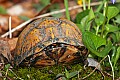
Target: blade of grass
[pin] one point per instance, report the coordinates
(105, 14)
(67, 11)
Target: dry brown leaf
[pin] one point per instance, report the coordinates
(6, 4)
(12, 43)
(4, 24)
(4, 50)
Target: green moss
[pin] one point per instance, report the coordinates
(49, 73)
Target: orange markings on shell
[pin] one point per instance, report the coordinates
(43, 32)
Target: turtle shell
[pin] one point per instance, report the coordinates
(49, 41)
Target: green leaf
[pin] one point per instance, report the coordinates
(100, 6)
(111, 28)
(67, 74)
(93, 42)
(25, 18)
(107, 49)
(38, 7)
(86, 25)
(91, 15)
(61, 76)
(117, 56)
(112, 12)
(81, 15)
(99, 18)
(3, 10)
(113, 36)
(114, 50)
(45, 2)
(118, 36)
(7, 66)
(117, 19)
(81, 27)
(84, 21)
(72, 74)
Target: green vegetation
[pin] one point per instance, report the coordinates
(101, 35)
(50, 73)
(2, 10)
(101, 32)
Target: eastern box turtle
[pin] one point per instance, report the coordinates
(49, 41)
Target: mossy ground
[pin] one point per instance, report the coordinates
(50, 73)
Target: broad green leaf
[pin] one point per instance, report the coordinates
(117, 19)
(84, 21)
(85, 24)
(81, 27)
(72, 74)
(3, 10)
(118, 36)
(117, 55)
(107, 49)
(67, 73)
(90, 15)
(117, 5)
(114, 38)
(99, 18)
(111, 28)
(112, 12)
(92, 42)
(81, 15)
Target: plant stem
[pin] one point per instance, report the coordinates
(100, 7)
(67, 11)
(89, 4)
(97, 29)
(84, 6)
(105, 14)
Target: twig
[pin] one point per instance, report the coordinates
(10, 33)
(47, 14)
(95, 68)
(111, 66)
(44, 15)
